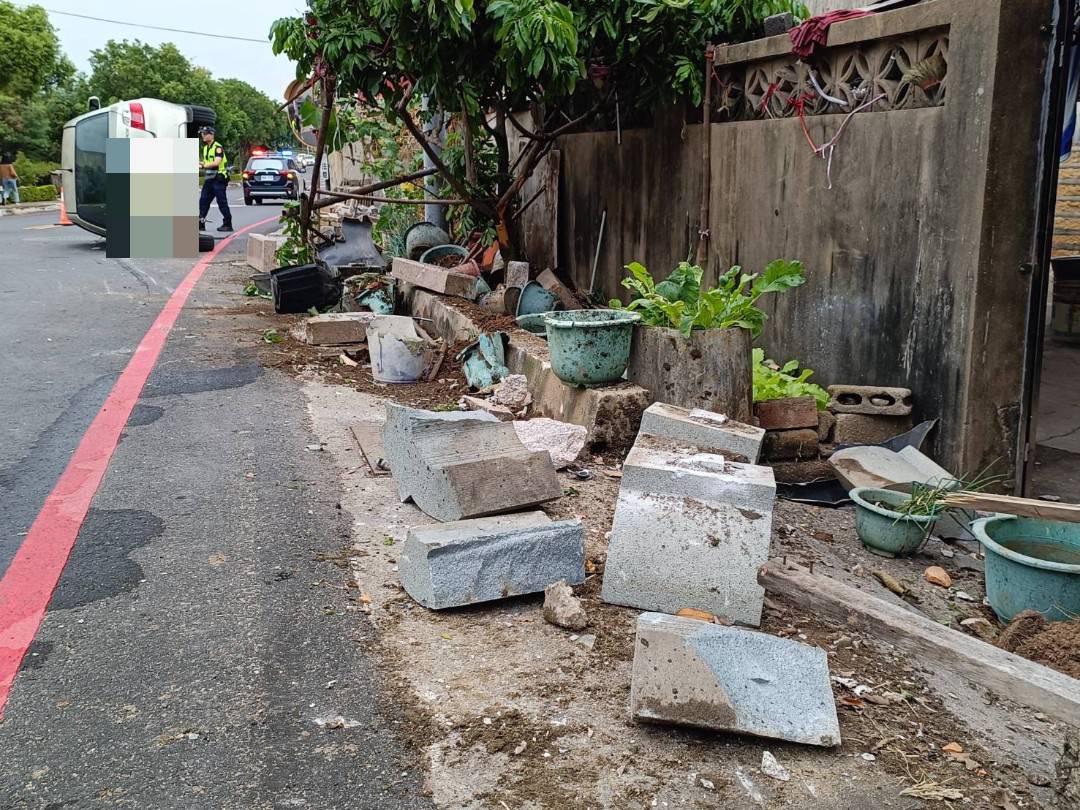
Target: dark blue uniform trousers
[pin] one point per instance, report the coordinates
(214, 189)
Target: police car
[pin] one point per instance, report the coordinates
(272, 176)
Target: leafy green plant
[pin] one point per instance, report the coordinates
(680, 303)
(294, 250)
(928, 500)
(37, 193)
(272, 336)
(773, 381)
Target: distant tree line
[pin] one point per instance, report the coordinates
(40, 89)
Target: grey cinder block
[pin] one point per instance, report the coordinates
(468, 561)
(705, 430)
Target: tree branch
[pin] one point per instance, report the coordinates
(443, 169)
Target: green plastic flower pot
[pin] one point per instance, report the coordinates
(1031, 564)
(590, 347)
(883, 531)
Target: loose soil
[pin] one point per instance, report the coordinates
(1054, 644)
(511, 712)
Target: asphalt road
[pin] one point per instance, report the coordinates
(198, 636)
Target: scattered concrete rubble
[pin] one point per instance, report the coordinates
(562, 608)
(611, 414)
(873, 466)
(731, 679)
(336, 328)
(705, 430)
(463, 562)
(513, 391)
(690, 530)
(562, 440)
(458, 465)
(500, 412)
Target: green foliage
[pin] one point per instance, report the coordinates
(247, 117)
(773, 381)
(34, 172)
(294, 250)
(679, 302)
(482, 60)
(30, 58)
(37, 193)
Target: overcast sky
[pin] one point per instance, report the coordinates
(226, 59)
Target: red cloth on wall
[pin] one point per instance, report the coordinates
(813, 32)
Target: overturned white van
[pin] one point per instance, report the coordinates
(83, 149)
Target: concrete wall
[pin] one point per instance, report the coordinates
(913, 256)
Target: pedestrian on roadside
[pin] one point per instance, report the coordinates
(212, 161)
(9, 179)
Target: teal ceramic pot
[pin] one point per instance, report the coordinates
(1031, 564)
(590, 347)
(883, 531)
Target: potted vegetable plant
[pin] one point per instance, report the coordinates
(782, 400)
(692, 347)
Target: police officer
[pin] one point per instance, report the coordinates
(212, 161)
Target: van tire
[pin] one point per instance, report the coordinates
(206, 243)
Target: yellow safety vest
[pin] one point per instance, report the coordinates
(213, 151)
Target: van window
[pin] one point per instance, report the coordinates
(91, 135)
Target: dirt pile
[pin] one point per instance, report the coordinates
(1053, 644)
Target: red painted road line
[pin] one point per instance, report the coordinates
(35, 569)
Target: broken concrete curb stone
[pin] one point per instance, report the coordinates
(562, 608)
(690, 530)
(458, 465)
(452, 564)
(562, 440)
(707, 431)
(731, 679)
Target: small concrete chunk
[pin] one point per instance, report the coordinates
(562, 608)
(500, 412)
(705, 430)
(870, 399)
(464, 464)
(731, 679)
(335, 328)
(873, 466)
(787, 413)
(468, 561)
(561, 439)
(690, 531)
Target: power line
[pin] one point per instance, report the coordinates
(156, 27)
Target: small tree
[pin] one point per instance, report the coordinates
(488, 61)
